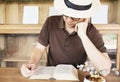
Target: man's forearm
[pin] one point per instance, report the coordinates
(100, 60)
(35, 57)
(37, 53)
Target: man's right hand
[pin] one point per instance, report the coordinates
(27, 69)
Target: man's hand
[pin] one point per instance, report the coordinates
(81, 28)
(27, 69)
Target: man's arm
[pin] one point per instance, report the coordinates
(29, 68)
(100, 60)
(37, 53)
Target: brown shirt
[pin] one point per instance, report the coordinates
(65, 48)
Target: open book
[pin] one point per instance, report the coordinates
(60, 72)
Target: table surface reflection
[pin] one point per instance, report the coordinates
(10, 74)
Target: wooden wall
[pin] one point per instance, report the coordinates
(12, 12)
(22, 44)
(118, 12)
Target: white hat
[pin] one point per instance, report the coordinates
(77, 8)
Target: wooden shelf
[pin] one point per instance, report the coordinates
(16, 59)
(33, 29)
(11, 17)
(19, 29)
(107, 26)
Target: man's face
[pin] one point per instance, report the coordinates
(70, 22)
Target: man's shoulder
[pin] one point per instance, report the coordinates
(91, 26)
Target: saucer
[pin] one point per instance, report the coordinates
(94, 78)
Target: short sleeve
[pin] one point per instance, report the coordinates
(96, 38)
(44, 34)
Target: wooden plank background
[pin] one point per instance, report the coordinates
(118, 12)
(22, 45)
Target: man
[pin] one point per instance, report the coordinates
(71, 38)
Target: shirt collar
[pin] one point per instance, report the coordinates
(62, 23)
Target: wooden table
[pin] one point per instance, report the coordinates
(14, 75)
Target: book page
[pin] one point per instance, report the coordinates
(65, 72)
(43, 72)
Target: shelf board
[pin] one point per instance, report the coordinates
(20, 29)
(18, 59)
(34, 29)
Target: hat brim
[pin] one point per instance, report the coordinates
(63, 9)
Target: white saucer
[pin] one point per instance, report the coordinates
(96, 77)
